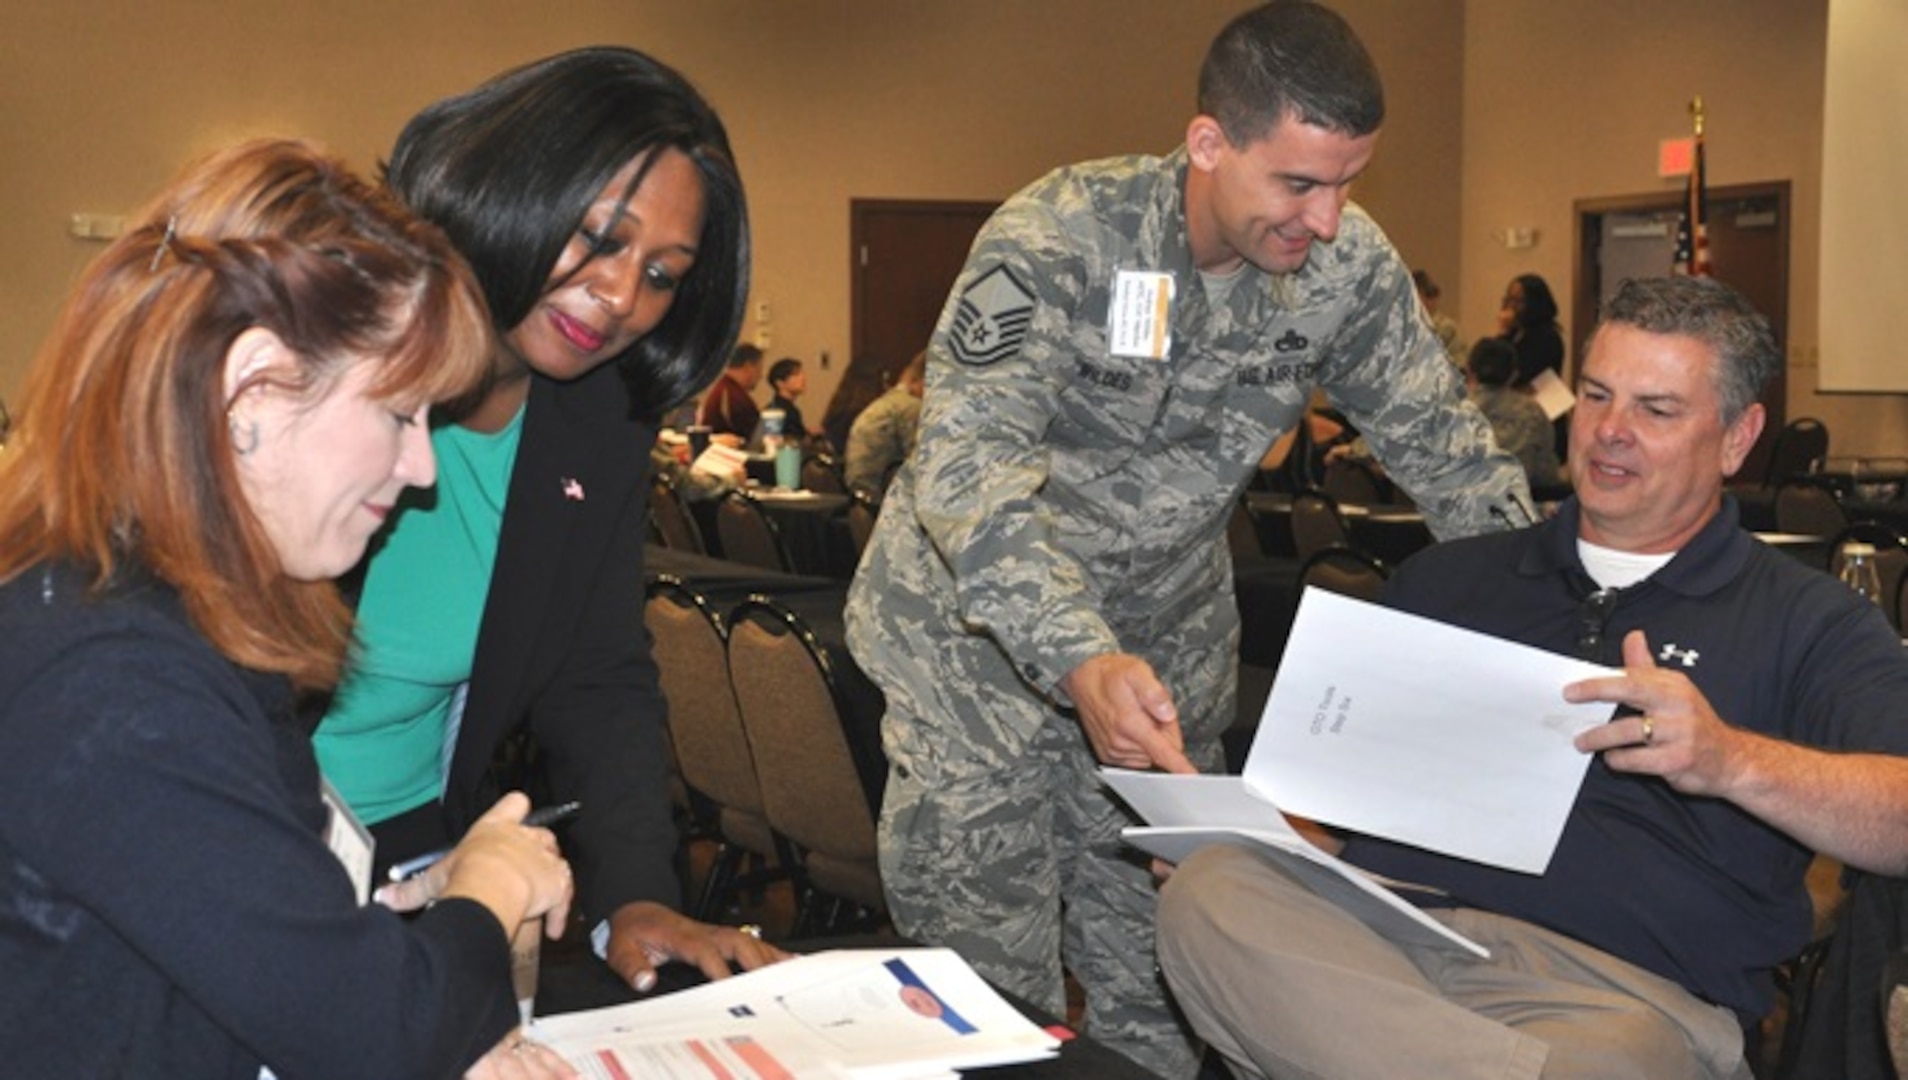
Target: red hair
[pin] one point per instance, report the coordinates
(122, 452)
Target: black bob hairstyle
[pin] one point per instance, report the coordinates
(509, 169)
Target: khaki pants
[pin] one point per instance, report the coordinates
(1286, 985)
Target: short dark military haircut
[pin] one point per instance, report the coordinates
(1290, 56)
(1493, 361)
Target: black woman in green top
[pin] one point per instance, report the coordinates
(595, 195)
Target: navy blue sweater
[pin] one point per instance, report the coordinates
(167, 907)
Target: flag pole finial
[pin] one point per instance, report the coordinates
(1696, 112)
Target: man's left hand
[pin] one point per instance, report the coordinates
(645, 934)
(1676, 734)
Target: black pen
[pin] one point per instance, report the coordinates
(535, 819)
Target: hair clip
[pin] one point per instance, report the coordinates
(172, 226)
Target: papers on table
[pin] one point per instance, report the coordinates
(1553, 396)
(720, 460)
(1395, 726)
(879, 1014)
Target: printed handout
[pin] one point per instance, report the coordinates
(885, 1014)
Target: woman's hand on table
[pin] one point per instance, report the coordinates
(521, 1058)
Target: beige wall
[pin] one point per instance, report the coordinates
(1569, 101)
(826, 101)
(1502, 113)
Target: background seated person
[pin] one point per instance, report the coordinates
(1517, 421)
(788, 381)
(1761, 724)
(865, 380)
(1445, 326)
(728, 410)
(885, 433)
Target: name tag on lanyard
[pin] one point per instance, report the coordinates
(1140, 322)
(348, 839)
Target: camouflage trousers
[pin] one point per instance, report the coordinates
(1016, 865)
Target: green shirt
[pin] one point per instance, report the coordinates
(385, 742)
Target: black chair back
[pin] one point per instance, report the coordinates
(1798, 451)
(1808, 510)
(690, 646)
(1346, 571)
(811, 768)
(1317, 524)
(821, 472)
(1355, 482)
(863, 509)
(748, 535)
(670, 521)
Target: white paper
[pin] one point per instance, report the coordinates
(1189, 812)
(1417, 731)
(726, 462)
(1553, 396)
(891, 1014)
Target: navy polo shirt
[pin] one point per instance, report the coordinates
(1693, 889)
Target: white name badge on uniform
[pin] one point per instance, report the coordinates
(348, 839)
(1141, 321)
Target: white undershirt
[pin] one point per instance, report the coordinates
(1613, 569)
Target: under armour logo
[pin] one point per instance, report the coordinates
(1685, 657)
(572, 489)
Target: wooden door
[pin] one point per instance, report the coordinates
(905, 257)
(1748, 250)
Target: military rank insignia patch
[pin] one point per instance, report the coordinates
(992, 319)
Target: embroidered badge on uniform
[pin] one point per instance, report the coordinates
(992, 320)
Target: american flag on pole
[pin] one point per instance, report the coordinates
(1692, 228)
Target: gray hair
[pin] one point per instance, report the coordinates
(1747, 356)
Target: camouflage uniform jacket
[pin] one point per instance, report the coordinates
(1070, 503)
(881, 438)
(1521, 429)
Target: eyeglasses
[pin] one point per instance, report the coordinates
(1592, 618)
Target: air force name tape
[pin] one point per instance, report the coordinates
(992, 320)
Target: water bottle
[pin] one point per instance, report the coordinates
(1858, 570)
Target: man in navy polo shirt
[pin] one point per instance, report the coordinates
(1763, 722)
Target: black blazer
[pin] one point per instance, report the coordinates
(562, 648)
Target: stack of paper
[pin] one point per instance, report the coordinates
(1553, 394)
(878, 1014)
(1394, 726)
(720, 460)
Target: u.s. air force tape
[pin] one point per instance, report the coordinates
(992, 319)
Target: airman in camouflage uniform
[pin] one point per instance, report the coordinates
(1052, 558)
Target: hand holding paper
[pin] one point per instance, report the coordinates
(1421, 732)
(1396, 726)
(1128, 714)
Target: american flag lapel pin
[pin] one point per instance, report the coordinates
(572, 489)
